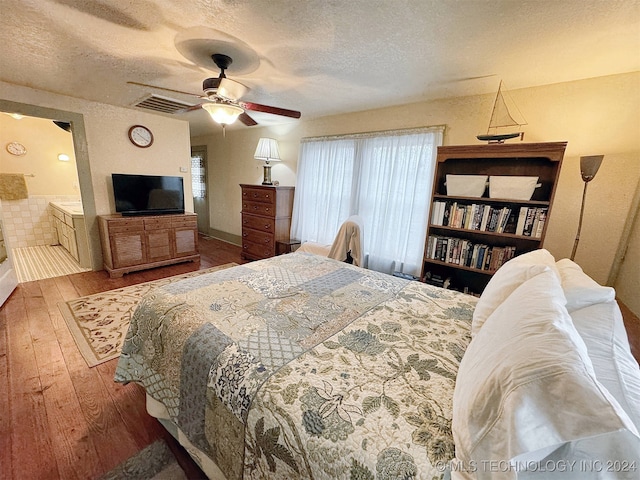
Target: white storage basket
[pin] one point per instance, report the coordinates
(466, 185)
(512, 187)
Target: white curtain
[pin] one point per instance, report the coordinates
(385, 177)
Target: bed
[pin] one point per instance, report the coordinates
(301, 366)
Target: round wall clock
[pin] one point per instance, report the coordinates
(140, 136)
(15, 148)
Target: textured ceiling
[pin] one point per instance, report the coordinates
(321, 57)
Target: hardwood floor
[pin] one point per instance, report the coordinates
(60, 419)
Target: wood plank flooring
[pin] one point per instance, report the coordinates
(60, 419)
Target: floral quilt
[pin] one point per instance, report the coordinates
(300, 366)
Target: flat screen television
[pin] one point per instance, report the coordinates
(147, 194)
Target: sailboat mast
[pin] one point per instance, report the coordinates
(493, 111)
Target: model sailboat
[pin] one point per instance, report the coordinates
(501, 118)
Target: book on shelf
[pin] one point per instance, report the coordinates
(460, 251)
(542, 217)
(485, 217)
(534, 222)
(510, 224)
(522, 216)
(445, 216)
(523, 221)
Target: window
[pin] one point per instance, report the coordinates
(385, 177)
(198, 176)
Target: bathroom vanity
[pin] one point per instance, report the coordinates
(69, 224)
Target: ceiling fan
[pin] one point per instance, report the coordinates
(223, 95)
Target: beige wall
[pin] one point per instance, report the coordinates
(595, 116)
(102, 147)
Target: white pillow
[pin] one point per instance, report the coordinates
(602, 329)
(579, 288)
(506, 279)
(526, 387)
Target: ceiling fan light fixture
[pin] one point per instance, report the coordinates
(223, 113)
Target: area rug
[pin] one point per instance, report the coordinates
(155, 462)
(99, 322)
(44, 261)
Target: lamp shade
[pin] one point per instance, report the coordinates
(589, 166)
(267, 150)
(222, 112)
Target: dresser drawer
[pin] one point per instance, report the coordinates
(265, 209)
(184, 221)
(258, 237)
(262, 195)
(157, 223)
(258, 223)
(125, 225)
(256, 251)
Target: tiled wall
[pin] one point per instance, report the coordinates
(27, 223)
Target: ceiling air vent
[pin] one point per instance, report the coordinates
(159, 103)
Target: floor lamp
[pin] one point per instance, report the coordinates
(589, 166)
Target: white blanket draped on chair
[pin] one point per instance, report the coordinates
(348, 241)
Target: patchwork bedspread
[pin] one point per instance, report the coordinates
(301, 366)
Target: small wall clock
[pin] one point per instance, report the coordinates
(17, 149)
(140, 136)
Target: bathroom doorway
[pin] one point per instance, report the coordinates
(43, 170)
(51, 169)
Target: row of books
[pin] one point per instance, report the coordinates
(526, 221)
(459, 251)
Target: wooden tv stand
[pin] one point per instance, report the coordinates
(137, 243)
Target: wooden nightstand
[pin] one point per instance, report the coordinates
(287, 246)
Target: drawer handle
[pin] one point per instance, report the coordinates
(245, 234)
(267, 227)
(267, 209)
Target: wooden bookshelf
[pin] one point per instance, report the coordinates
(469, 238)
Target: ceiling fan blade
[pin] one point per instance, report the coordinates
(256, 107)
(247, 120)
(165, 89)
(231, 90)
